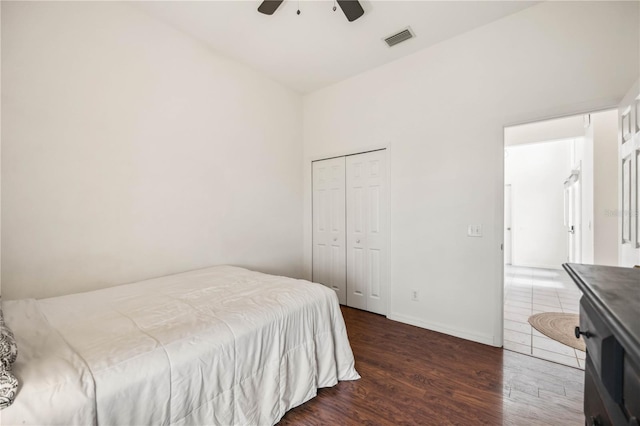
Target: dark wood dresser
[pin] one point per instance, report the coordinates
(610, 325)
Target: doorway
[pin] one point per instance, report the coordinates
(556, 181)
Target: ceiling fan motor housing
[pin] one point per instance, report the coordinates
(352, 8)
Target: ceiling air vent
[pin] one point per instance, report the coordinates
(403, 35)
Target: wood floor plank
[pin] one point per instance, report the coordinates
(414, 376)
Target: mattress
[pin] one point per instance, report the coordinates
(221, 345)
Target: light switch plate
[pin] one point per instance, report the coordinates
(474, 231)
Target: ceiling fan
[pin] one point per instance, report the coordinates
(351, 8)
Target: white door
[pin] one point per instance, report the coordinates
(329, 225)
(573, 195)
(629, 179)
(366, 232)
(507, 225)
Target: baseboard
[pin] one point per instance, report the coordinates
(532, 265)
(463, 334)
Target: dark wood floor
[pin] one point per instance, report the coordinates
(414, 376)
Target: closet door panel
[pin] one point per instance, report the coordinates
(329, 254)
(366, 229)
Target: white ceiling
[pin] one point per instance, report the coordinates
(320, 47)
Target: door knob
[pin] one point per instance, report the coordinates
(357, 241)
(335, 238)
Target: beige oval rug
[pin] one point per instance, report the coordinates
(559, 327)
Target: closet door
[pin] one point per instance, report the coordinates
(329, 225)
(366, 231)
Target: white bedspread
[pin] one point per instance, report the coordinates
(221, 345)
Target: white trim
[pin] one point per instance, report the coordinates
(590, 107)
(538, 266)
(636, 107)
(346, 153)
(627, 129)
(626, 194)
(451, 331)
(507, 147)
(636, 209)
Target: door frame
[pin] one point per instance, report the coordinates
(574, 214)
(347, 153)
(606, 105)
(510, 206)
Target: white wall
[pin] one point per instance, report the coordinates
(536, 173)
(547, 130)
(130, 151)
(441, 112)
(582, 159)
(604, 130)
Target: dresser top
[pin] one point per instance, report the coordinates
(615, 292)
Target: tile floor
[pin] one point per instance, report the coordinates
(531, 291)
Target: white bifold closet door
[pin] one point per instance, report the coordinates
(362, 240)
(366, 223)
(329, 255)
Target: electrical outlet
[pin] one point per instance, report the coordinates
(414, 295)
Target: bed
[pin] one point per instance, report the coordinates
(221, 345)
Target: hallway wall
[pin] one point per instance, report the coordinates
(536, 173)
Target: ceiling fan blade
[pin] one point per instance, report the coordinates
(269, 6)
(351, 8)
